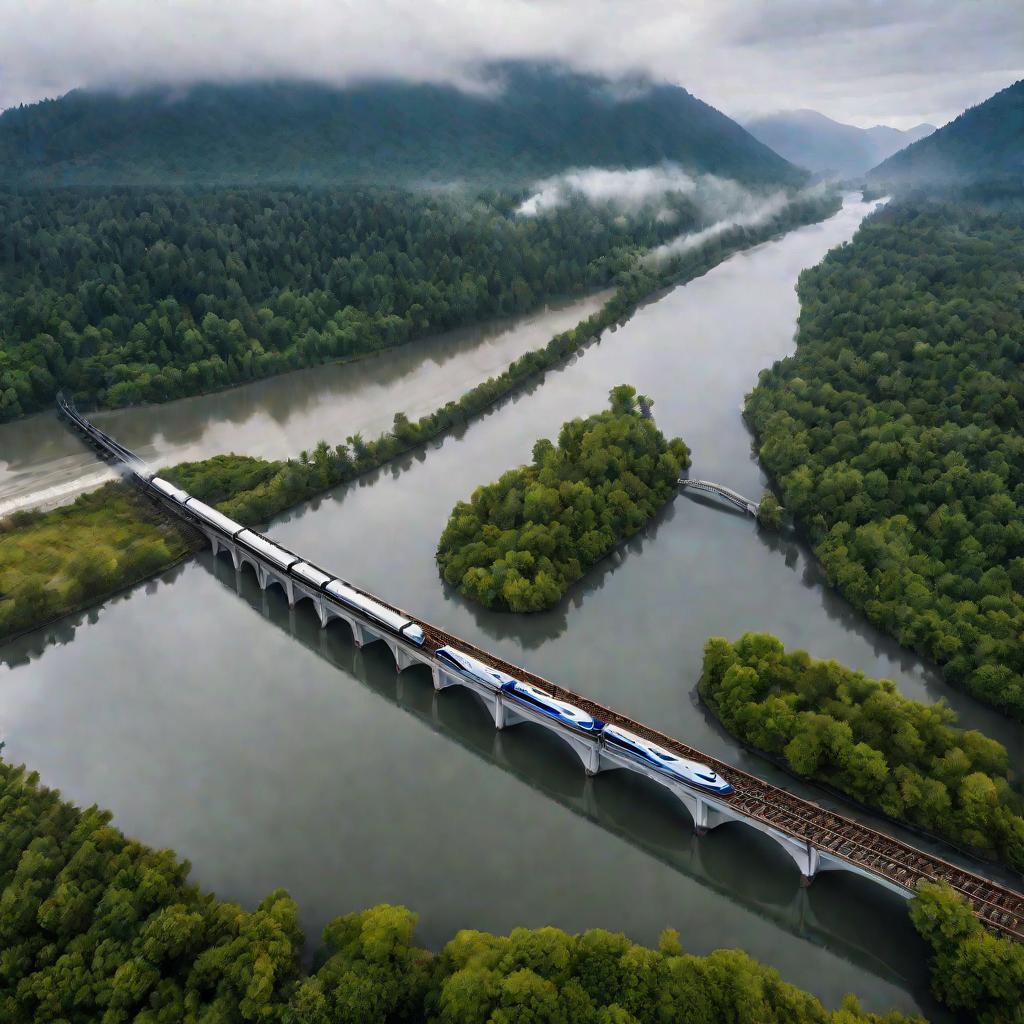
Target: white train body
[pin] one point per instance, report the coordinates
(474, 668)
(375, 610)
(213, 518)
(691, 772)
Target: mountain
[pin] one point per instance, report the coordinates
(814, 141)
(534, 120)
(985, 143)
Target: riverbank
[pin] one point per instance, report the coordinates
(856, 736)
(268, 488)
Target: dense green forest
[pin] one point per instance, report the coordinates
(530, 120)
(141, 296)
(96, 927)
(984, 144)
(973, 972)
(518, 544)
(894, 432)
(34, 589)
(859, 735)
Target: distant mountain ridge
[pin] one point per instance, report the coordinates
(814, 141)
(542, 120)
(984, 144)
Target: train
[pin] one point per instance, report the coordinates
(643, 750)
(290, 563)
(518, 691)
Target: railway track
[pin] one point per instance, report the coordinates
(995, 905)
(998, 907)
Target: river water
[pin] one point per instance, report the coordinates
(211, 718)
(43, 465)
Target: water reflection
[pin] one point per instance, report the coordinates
(42, 464)
(861, 922)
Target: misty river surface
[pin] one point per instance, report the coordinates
(212, 719)
(42, 464)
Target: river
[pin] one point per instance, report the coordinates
(43, 465)
(211, 718)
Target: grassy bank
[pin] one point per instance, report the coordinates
(253, 490)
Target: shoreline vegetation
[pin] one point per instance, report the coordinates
(253, 490)
(893, 432)
(859, 737)
(98, 926)
(162, 294)
(521, 542)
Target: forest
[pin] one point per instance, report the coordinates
(35, 590)
(518, 544)
(528, 120)
(858, 735)
(128, 296)
(894, 432)
(97, 927)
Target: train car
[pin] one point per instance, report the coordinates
(376, 611)
(168, 490)
(466, 665)
(271, 552)
(311, 575)
(213, 518)
(560, 710)
(691, 772)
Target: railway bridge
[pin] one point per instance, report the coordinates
(728, 493)
(815, 838)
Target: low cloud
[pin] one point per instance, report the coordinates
(901, 62)
(720, 203)
(627, 189)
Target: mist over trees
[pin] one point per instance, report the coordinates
(142, 296)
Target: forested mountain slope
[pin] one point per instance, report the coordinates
(985, 143)
(537, 120)
(895, 433)
(814, 141)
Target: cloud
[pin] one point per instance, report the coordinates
(721, 203)
(628, 189)
(900, 62)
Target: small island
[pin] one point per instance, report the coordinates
(521, 542)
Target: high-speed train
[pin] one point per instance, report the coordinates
(290, 563)
(691, 772)
(560, 710)
(467, 665)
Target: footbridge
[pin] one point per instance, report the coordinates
(723, 492)
(814, 838)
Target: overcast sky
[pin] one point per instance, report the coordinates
(896, 62)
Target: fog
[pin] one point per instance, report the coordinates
(721, 203)
(897, 63)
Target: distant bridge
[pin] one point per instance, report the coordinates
(815, 838)
(723, 492)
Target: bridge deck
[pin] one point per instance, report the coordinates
(726, 492)
(864, 848)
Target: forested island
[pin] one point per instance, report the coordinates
(97, 927)
(860, 736)
(518, 544)
(894, 432)
(34, 591)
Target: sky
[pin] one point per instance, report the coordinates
(865, 62)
